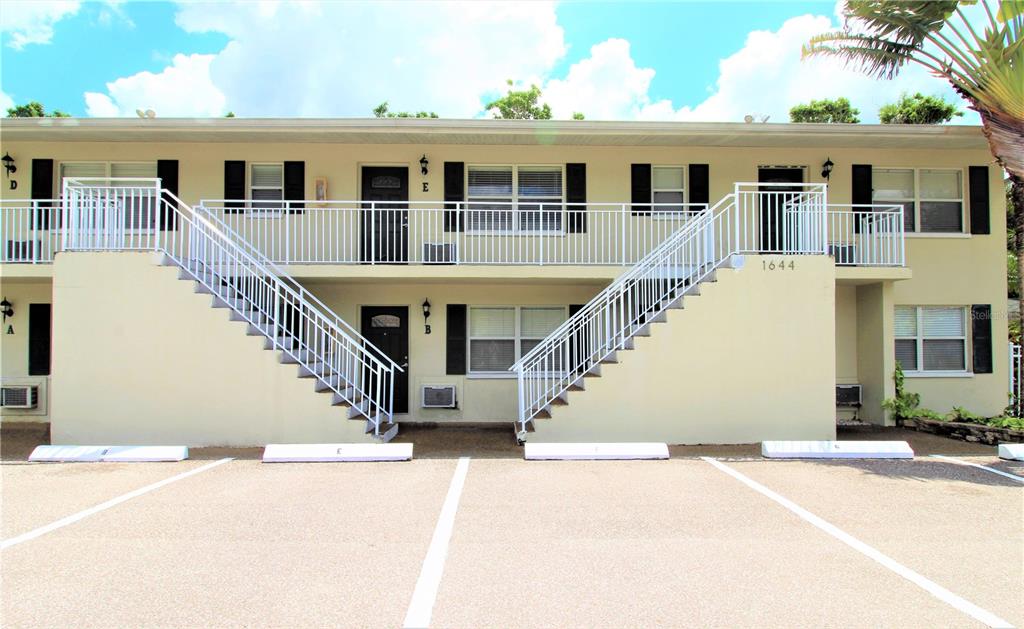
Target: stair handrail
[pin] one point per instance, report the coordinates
(705, 249)
(326, 341)
(285, 276)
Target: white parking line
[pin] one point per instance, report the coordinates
(927, 585)
(1019, 479)
(423, 597)
(71, 519)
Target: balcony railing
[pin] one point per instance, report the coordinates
(866, 235)
(492, 233)
(462, 233)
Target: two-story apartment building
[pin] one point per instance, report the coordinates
(240, 282)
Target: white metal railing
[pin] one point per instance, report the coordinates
(492, 233)
(755, 218)
(29, 230)
(138, 215)
(1016, 383)
(866, 235)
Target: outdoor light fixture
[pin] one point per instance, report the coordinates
(426, 313)
(423, 164)
(9, 164)
(6, 309)
(826, 168)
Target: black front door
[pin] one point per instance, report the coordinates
(387, 327)
(386, 226)
(773, 204)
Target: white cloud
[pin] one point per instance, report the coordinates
(6, 102)
(31, 22)
(295, 58)
(182, 89)
(765, 78)
(341, 58)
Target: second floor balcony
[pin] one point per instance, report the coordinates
(474, 233)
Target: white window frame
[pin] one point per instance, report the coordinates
(515, 201)
(920, 338)
(249, 187)
(107, 170)
(655, 212)
(517, 338)
(917, 199)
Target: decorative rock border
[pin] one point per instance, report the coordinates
(976, 433)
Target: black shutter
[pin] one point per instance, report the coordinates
(167, 171)
(640, 176)
(981, 337)
(39, 339)
(454, 178)
(861, 191)
(576, 192)
(700, 187)
(978, 187)
(455, 357)
(42, 188)
(295, 186)
(234, 186)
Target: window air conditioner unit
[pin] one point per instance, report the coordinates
(848, 395)
(20, 396)
(439, 252)
(439, 396)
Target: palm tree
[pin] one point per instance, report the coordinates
(986, 68)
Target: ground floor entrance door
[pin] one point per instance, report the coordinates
(385, 223)
(773, 204)
(387, 327)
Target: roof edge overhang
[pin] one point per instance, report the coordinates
(487, 131)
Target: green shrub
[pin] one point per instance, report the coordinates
(1015, 423)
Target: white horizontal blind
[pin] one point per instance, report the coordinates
(267, 175)
(540, 198)
(539, 322)
(492, 339)
(896, 186)
(942, 321)
(544, 183)
(133, 169)
(906, 321)
(83, 169)
(490, 181)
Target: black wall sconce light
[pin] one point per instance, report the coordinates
(423, 165)
(6, 309)
(826, 168)
(426, 316)
(9, 164)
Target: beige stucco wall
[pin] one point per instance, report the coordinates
(140, 358)
(954, 270)
(481, 398)
(751, 358)
(14, 347)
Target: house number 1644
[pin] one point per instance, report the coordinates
(778, 266)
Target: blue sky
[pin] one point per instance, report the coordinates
(610, 60)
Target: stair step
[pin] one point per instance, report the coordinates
(579, 385)
(288, 342)
(390, 434)
(610, 358)
(337, 399)
(261, 329)
(661, 317)
(644, 330)
(594, 372)
(329, 384)
(235, 303)
(315, 369)
(544, 413)
(248, 315)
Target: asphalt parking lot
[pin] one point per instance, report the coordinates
(730, 541)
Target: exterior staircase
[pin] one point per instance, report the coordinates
(671, 273)
(294, 323)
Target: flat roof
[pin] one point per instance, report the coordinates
(488, 131)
